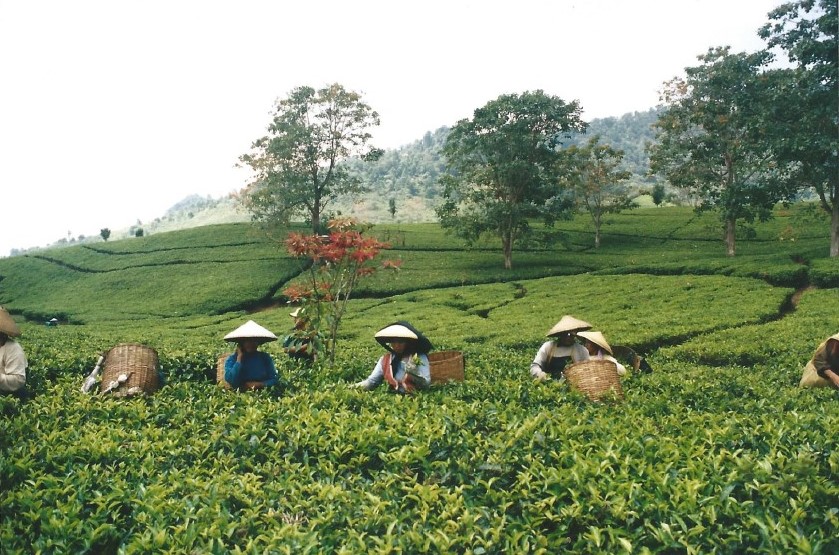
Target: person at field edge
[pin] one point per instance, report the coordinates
(12, 358)
(405, 367)
(599, 349)
(247, 367)
(554, 355)
(298, 344)
(823, 369)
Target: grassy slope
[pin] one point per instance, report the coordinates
(716, 450)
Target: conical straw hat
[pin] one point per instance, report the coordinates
(403, 330)
(568, 324)
(395, 331)
(597, 338)
(250, 330)
(7, 324)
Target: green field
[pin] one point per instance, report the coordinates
(716, 451)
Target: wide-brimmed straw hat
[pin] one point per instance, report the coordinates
(250, 330)
(597, 338)
(568, 324)
(404, 331)
(7, 324)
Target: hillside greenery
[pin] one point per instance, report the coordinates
(716, 451)
(408, 175)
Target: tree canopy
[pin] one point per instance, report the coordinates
(598, 181)
(296, 166)
(714, 139)
(503, 167)
(807, 98)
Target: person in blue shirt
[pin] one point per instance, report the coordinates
(247, 367)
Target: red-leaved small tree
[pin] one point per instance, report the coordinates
(338, 261)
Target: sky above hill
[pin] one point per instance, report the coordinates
(113, 111)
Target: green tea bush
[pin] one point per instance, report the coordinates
(716, 451)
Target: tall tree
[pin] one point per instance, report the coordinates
(598, 180)
(503, 167)
(808, 98)
(296, 166)
(713, 142)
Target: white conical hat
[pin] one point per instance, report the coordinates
(568, 324)
(250, 330)
(396, 331)
(597, 338)
(7, 324)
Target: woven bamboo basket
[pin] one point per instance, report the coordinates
(138, 362)
(220, 372)
(446, 366)
(595, 379)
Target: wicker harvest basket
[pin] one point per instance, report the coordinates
(596, 379)
(446, 366)
(138, 362)
(220, 372)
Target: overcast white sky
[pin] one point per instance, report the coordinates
(114, 110)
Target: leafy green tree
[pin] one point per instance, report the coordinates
(503, 166)
(598, 181)
(807, 99)
(296, 166)
(391, 207)
(104, 233)
(713, 139)
(658, 194)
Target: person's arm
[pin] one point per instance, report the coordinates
(375, 378)
(621, 367)
(832, 377)
(540, 362)
(822, 363)
(233, 370)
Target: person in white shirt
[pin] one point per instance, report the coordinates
(12, 358)
(405, 368)
(554, 355)
(598, 348)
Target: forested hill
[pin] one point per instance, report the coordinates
(407, 176)
(413, 170)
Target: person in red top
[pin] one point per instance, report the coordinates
(405, 368)
(823, 368)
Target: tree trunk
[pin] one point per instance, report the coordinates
(316, 218)
(597, 236)
(507, 243)
(730, 226)
(834, 230)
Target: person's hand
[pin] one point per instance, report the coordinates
(542, 376)
(359, 385)
(250, 386)
(239, 353)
